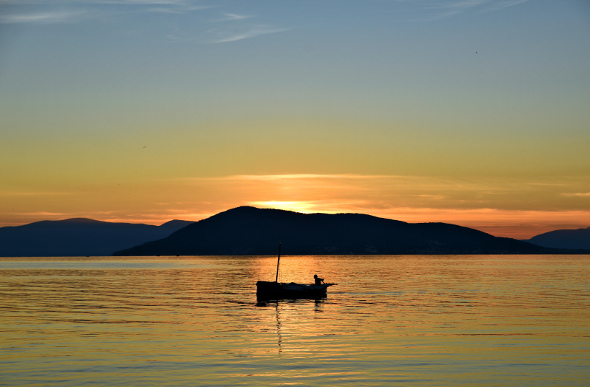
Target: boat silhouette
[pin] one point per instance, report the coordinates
(275, 290)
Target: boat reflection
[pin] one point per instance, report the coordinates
(279, 305)
(262, 302)
(264, 298)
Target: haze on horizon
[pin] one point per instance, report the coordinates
(468, 112)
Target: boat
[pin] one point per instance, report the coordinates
(275, 290)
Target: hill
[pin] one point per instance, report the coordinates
(564, 239)
(253, 231)
(79, 237)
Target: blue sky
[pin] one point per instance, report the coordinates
(446, 62)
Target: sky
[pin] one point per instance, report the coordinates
(472, 112)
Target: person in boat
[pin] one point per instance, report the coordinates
(318, 280)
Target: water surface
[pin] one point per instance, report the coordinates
(406, 320)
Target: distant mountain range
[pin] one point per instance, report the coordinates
(79, 237)
(564, 239)
(249, 230)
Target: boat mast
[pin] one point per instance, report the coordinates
(278, 261)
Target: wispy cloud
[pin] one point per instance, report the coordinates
(577, 195)
(303, 176)
(31, 193)
(497, 5)
(176, 10)
(232, 16)
(441, 9)
(460, 5)
(175, 3)
(66, 11)
(44, 18)
(402, 191)
(45, 214)
(464, 4)
(226, 36)
(233, 27)
(226, 27)
(64, 3)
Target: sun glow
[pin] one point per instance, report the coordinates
(500, 206)
(297, 206)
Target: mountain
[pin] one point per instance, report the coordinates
(564, 239)
(79, 237)
(249, 230)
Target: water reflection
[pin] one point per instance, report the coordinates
(278, 306)
(280, 339)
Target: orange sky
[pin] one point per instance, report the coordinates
(503, 207)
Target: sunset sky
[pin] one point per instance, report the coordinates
(473, 112)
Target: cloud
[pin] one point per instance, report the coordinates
(31, 193)
(233, 28)
(577, 195)
(66, 11)
(227, 27)
(302, 176)
(176, 10)
(232, 16)
(385, 191)
(495, 6)
(44, 18)
(461, 5)
(226, 36)
(175, 3)
(43, 214)
(441, 9)
(62, 3)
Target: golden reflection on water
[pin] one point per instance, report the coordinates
(444, 320)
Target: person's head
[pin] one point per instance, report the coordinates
(315, 276)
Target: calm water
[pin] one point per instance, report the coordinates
(405, 320)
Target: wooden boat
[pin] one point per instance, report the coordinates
(275, 290)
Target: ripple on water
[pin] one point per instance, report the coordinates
(410, 320)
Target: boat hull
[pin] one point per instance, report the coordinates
(267, 290)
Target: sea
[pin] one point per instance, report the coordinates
(467, 320)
